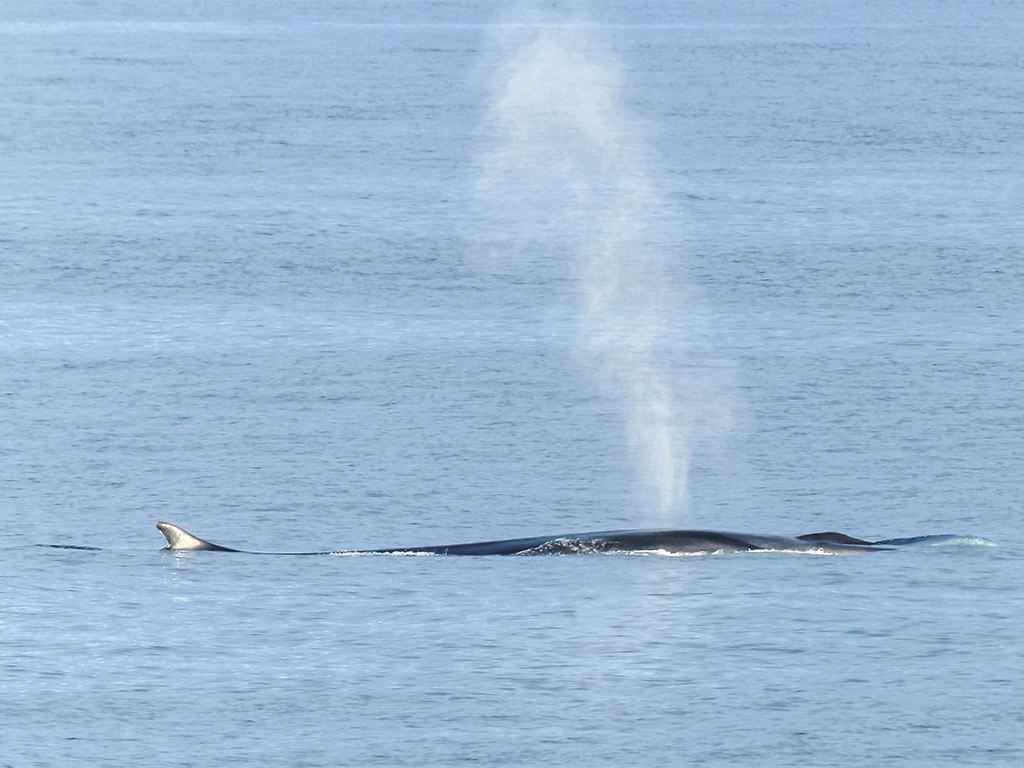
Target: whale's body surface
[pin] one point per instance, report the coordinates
(666, 542)
(676, 542)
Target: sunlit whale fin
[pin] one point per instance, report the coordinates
(181, 540)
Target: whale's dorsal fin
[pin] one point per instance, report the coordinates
(180, 539)
(834, 537)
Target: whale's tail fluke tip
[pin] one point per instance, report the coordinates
(179, 539)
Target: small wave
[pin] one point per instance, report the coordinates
(398, 553)
(666, 553)
(940, 540)
(817, 552)
(963, 541)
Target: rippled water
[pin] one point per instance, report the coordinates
(362, 276)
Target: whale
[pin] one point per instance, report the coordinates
(654, 541)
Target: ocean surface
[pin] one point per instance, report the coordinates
(338, 275)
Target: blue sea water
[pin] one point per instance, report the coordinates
(351, 275)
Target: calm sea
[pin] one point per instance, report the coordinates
(331, 275)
